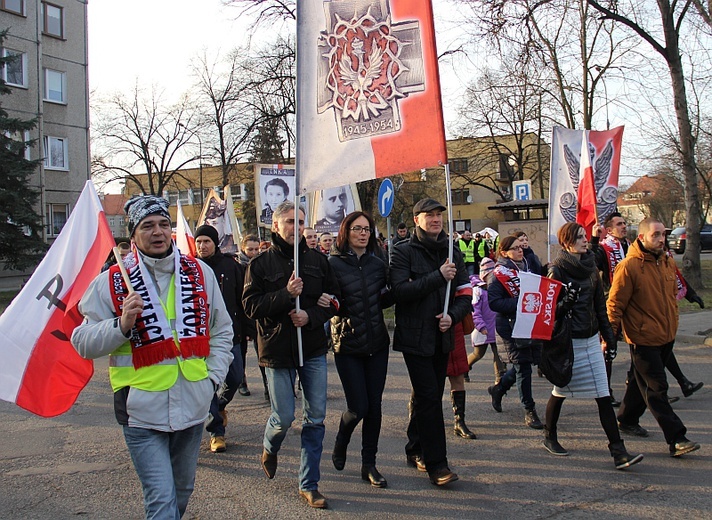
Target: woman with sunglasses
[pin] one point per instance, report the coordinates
(503, 292)
(587, 318)
(360, 338)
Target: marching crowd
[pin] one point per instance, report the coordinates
(177, 331)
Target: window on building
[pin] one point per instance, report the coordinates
(14, 6)
(57, 215)
(15, 71)
(52, 20)
(506, 167)
(23, 138)
(184, 197)
(55, 86)
(458, 165)
(171, 197)
(459, 197)
(56, 153)
(194, 196)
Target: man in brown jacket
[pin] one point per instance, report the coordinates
(642, 300)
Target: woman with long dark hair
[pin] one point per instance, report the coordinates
(503, 292)
(587, 317)
(360, 338)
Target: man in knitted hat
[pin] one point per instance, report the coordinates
(231, 277)
(169, 337)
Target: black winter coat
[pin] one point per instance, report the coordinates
(588, 314)
(358, 328)
(505, 305)
(419, 293)
(231, 277)
(266, 300)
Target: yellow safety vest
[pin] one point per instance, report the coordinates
(158, 377)
(468, 251)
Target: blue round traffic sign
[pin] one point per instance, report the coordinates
(386, 196)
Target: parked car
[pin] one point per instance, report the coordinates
(678, 238)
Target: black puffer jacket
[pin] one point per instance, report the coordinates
(588, 315)
(358, 329)
(266, 300)
(419, 293)
(231, 277)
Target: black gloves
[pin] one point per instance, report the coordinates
(571, 292)
(696, 299)
(611, 351)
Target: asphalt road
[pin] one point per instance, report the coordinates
(77, 466)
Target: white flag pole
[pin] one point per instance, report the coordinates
(450, 232)
(297, 187)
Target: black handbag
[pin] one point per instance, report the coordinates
(557, 354)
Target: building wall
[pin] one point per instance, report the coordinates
(536, 230)
(68, 120)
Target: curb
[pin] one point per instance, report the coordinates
(694, 338)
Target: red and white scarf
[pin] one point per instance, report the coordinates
(680, 280)
(614, 253)
(508, 278)
(152, 339)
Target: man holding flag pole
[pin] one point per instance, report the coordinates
(160, 317)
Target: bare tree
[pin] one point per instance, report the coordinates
(505, 107)
(226, 125)
(671, 18)
(572, 50)
(139, 135)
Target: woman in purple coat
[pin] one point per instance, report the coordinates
(484, 318)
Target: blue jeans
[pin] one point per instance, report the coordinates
(225, 393)
(281, 396)
(166, 464)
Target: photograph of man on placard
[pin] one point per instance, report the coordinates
(332, 205)
(275, 186)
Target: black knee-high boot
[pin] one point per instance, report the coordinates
(553, 411)
(621, 458)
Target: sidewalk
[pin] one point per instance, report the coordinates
(695, 327)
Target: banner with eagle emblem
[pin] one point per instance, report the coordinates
(368, 91)
(604, 157)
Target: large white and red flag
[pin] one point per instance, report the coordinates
(39, 369)
(604, 158)
(586, 204)
(368, 91)
(184, 236)
(536, 308)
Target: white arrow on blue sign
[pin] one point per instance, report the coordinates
(386, 197)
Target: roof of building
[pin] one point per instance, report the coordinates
(113, 203)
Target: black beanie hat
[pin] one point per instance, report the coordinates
(210, 232)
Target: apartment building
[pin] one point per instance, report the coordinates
(48, 79)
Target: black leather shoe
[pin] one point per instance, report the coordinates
(634, 429)
(689, 388)
(338, 457)
(416, 461)
(681, 448)
(371, 474)
(531, 419)
(497, 394)
(673, 399)
(314, 498)
(615, 403)
(269, 463)
(443, 476)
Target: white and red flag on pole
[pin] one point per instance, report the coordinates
(586, 204)
(566, 168)
(39, 369)
(368, 91)
(184, 236)
(536, 308)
